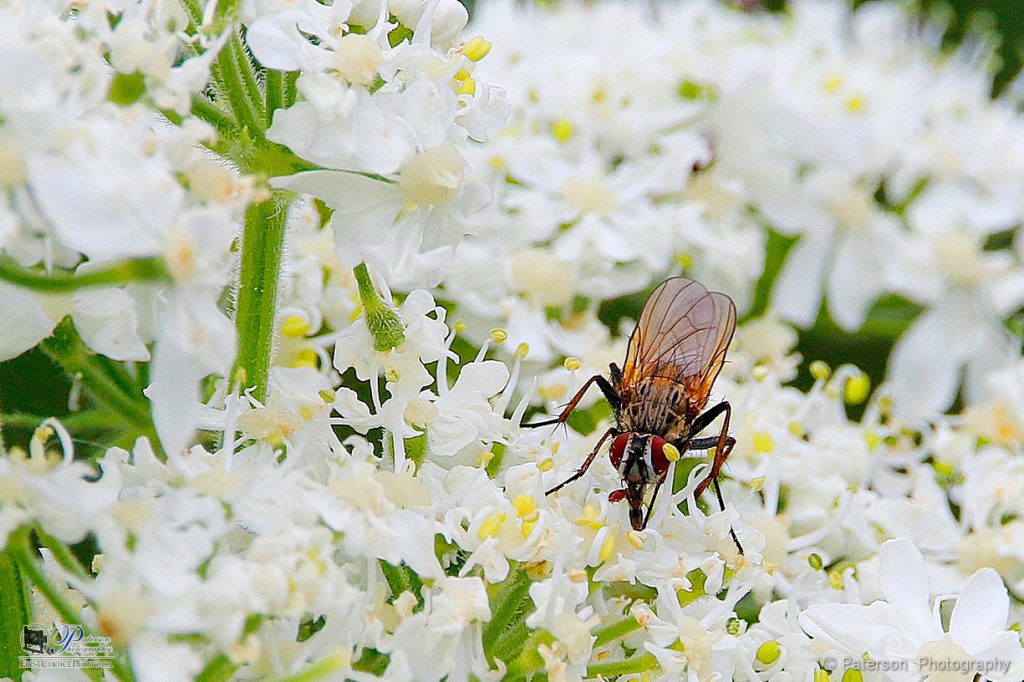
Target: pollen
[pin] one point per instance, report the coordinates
(821, 675)
(461, 75)
(392, 375)
(763, 442)
(769, 652)
(857, 389)
(855, 104)
(757, 484)
(522, 350)
(546, 464)
(553, 392)
(467, 87)
(525, 505)
(305, 358)
(832, 83)
(562, 130)
(476, 48)
(527, 527)
(499, 335)
(459, 326)
(327, 396)
(671, 452)
(490, 527)
(577, 576)
(872, 439)
(572, 364)
(484, 459)
(607, 547)
(820, 370)
(760, 373)
(796, 429)
(636, 538)
(590, 517)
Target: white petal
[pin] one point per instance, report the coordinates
(796, 295)
(364, 208)
(106, 320)
(981, 610)
(274, 41)
(32, 326)
(849, 627)
(86, 201)
(852, 287)
(905, 586)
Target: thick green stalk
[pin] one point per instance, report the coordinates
(61, 553)
(15, 610)
(134, 270)
(247, 72)
(256, 303)
(222, 121)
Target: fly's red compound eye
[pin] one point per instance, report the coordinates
(658, 455)
(616, 496)
(618, 448)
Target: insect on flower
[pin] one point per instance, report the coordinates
(675, 354)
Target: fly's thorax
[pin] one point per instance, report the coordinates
(656, 406)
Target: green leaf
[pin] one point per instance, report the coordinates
(14, 615)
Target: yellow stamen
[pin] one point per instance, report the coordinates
(763, 442)
(490, 527)
(476, 48)
(671, 452)
(562, 130)
(499, 335)
(572, 364)
(295, 326)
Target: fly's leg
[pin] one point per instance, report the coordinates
(732, 531)
(704, 443)
(602, 383)
(654, 497)
(723, 446)
(586, 463)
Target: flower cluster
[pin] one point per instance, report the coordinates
(885, 161)
(303, 475)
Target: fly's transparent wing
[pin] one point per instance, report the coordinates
(680, 338)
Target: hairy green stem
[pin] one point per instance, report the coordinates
(23, 554)
(222, 121)
(273, 88)
(62, 554)
(133, 270)
(232, 84)
(641, 664)
(616, 630)
(93, 420)
(15, 610)
(256, 304)
(247, 72)
(505, 605)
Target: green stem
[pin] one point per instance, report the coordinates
(105, 379)
(222, 121)
(641, 664)
(15, 610)
(381, 318)
(321, 668)
(92, 420)
(529, 660)
(134, 270)
(504, 606)
(615, 631)
(62, 554)
(20, 547)
(247, 71)
(256, 305)
(195, 12)
(233, 86)
(274, 89)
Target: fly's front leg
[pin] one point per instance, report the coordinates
(602, 383)
(586, 463)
